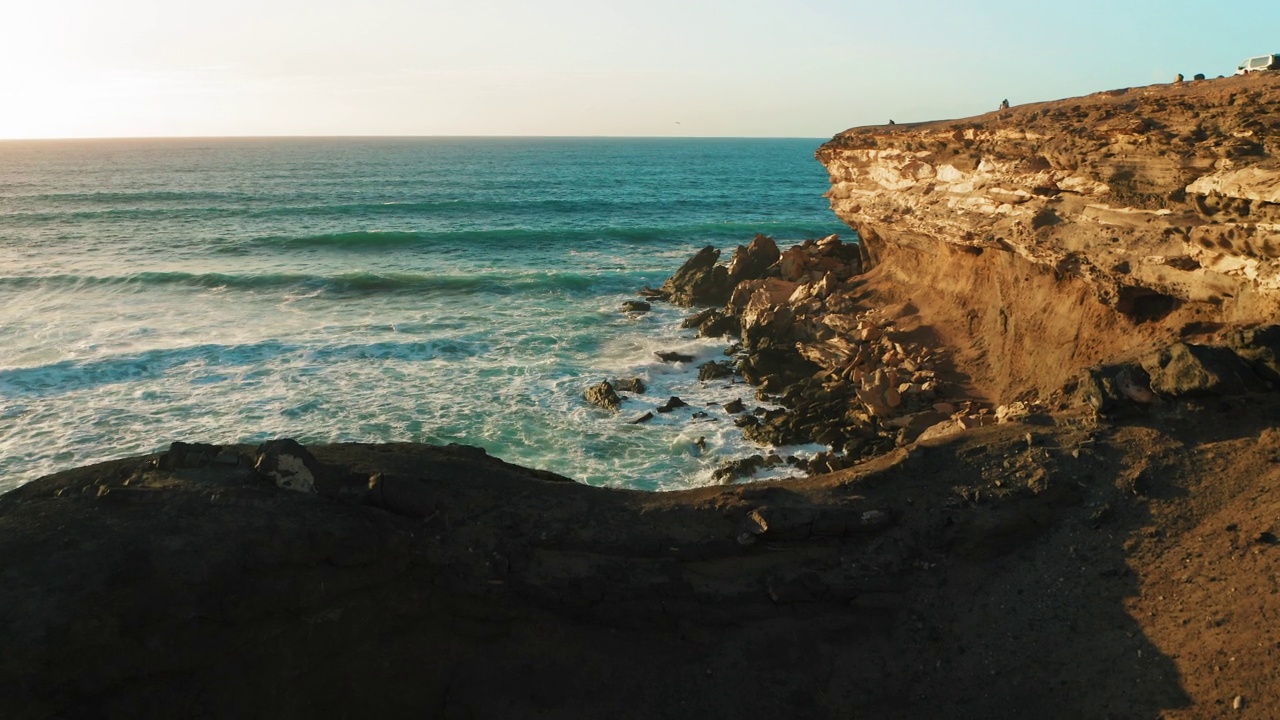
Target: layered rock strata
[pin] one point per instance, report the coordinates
(1045, 238)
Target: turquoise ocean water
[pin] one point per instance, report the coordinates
(427, 290)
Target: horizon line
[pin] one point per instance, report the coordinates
(411, 137)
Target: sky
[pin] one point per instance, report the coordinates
(740, 68)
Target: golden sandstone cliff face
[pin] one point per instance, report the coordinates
(1049, 237)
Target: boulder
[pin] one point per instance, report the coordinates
(603, 396)
(671, 404)
(696, 319)
(794, 264)
(289, 465)
(1110, 388)
(753, 261)
(733, 407)
(192, 455)
(718, 324)
(1198, 370)
(714, 370)
(636, 306)
(1260, 347)
(700, 281)
(735, 469)
(631, 385)
(642, 419)
(667, 356)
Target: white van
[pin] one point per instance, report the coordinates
(1262, 62)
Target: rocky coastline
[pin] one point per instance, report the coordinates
(1047, 374)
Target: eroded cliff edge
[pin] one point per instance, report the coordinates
(1045, 238)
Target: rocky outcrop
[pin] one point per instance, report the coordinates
(1045, 238)
(844, 374)
(701, 281)
(602, 395)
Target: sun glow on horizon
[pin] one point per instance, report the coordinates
(146, 68)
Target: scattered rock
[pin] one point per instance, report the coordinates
(636, 306)
(733, 407)
(642, 419)
(714, 370)
(671, 404)
(734, 469)
(631, 385)
(673, 357)
(603, 396)
(699, 317)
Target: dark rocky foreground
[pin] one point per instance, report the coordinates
(988, 573)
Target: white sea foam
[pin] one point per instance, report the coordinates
(435, 292)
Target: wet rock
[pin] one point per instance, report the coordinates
(714, 370)
(672, 357)
(717, 325)
(777, 428)
(700, 281)
(603, 396)
(289, 465)
(671, 404)
(733, 407)
(698, 318)
(1198, 370)
(642, 419)
(636, 306)
(734, 469)
(631, 385)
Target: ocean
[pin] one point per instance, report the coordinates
(375, 290)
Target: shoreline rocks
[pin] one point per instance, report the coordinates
(846, 377)
(602, 395)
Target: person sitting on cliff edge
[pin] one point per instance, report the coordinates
(1004, 104)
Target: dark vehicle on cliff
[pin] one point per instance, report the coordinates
(1256, 64)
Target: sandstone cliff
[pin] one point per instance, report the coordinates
(1045, 238)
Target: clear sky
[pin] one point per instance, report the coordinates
(801, 68)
